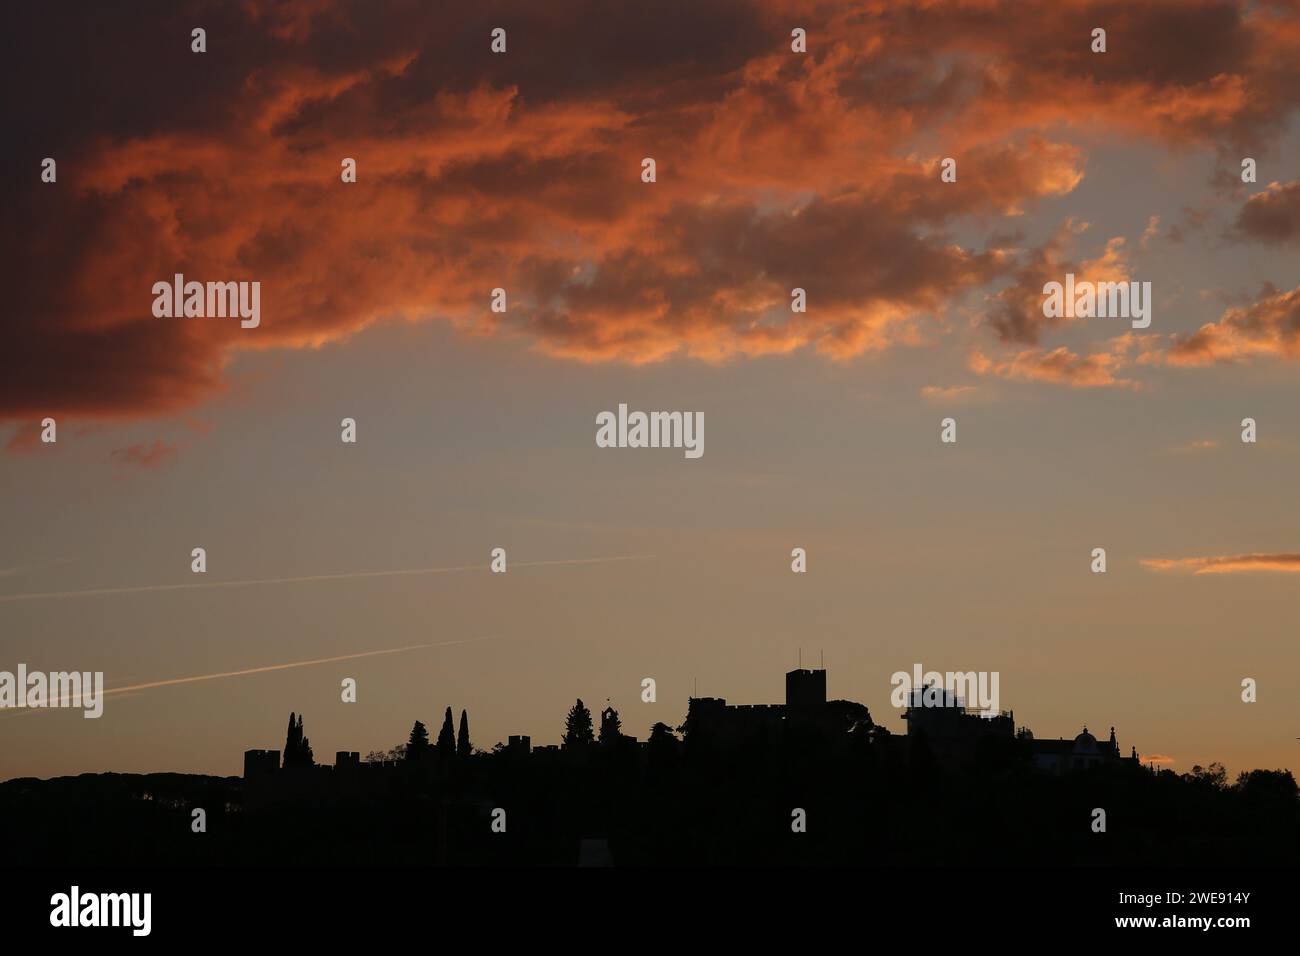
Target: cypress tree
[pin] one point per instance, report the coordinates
(447, 738)
(308, 758)
(297, 748)
(462, 739)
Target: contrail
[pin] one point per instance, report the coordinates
(10, 713)
(281, 667)
(22, 569)
(171, 681)
(347, 575)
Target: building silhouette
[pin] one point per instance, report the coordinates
(713, 722)
(805, 691)
(260, 763)
(940, 730)
(1081, 753)
(938, 719)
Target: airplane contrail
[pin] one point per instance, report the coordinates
(346, 575)
(219, 675)
(281, 667)
(22, 569)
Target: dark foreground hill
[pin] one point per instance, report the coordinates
(603, 806)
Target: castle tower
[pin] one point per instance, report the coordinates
(805, 690)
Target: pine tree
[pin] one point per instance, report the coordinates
(447, 738)
(463, 748)
(662, 735)
(577, 728)
(418, 744)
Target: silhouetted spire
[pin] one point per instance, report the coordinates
(611, 728)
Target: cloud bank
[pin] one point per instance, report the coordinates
(522, 171)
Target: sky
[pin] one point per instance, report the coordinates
(523, 170)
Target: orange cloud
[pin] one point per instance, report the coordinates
(952, 393)
(1226, 564)
(1017, 313)
(475, 171)
(1060, 366)
(1268, 327)
(147, 456)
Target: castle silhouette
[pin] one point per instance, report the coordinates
(940, 729)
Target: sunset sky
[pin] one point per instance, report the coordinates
(522, 170)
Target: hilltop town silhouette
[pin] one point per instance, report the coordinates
(808, 781)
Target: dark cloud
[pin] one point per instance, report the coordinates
(1271, 216)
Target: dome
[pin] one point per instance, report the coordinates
(1085, 742)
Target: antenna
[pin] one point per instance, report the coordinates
(801, 658)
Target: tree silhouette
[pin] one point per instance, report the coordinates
(418, 745)
(463, 748)
(850, 714)
(447, 738)
(1268, 784)
(1213, 777)
(661, 734)
(611, 728)
(661, 748)
(297, 748)
(577, 728)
